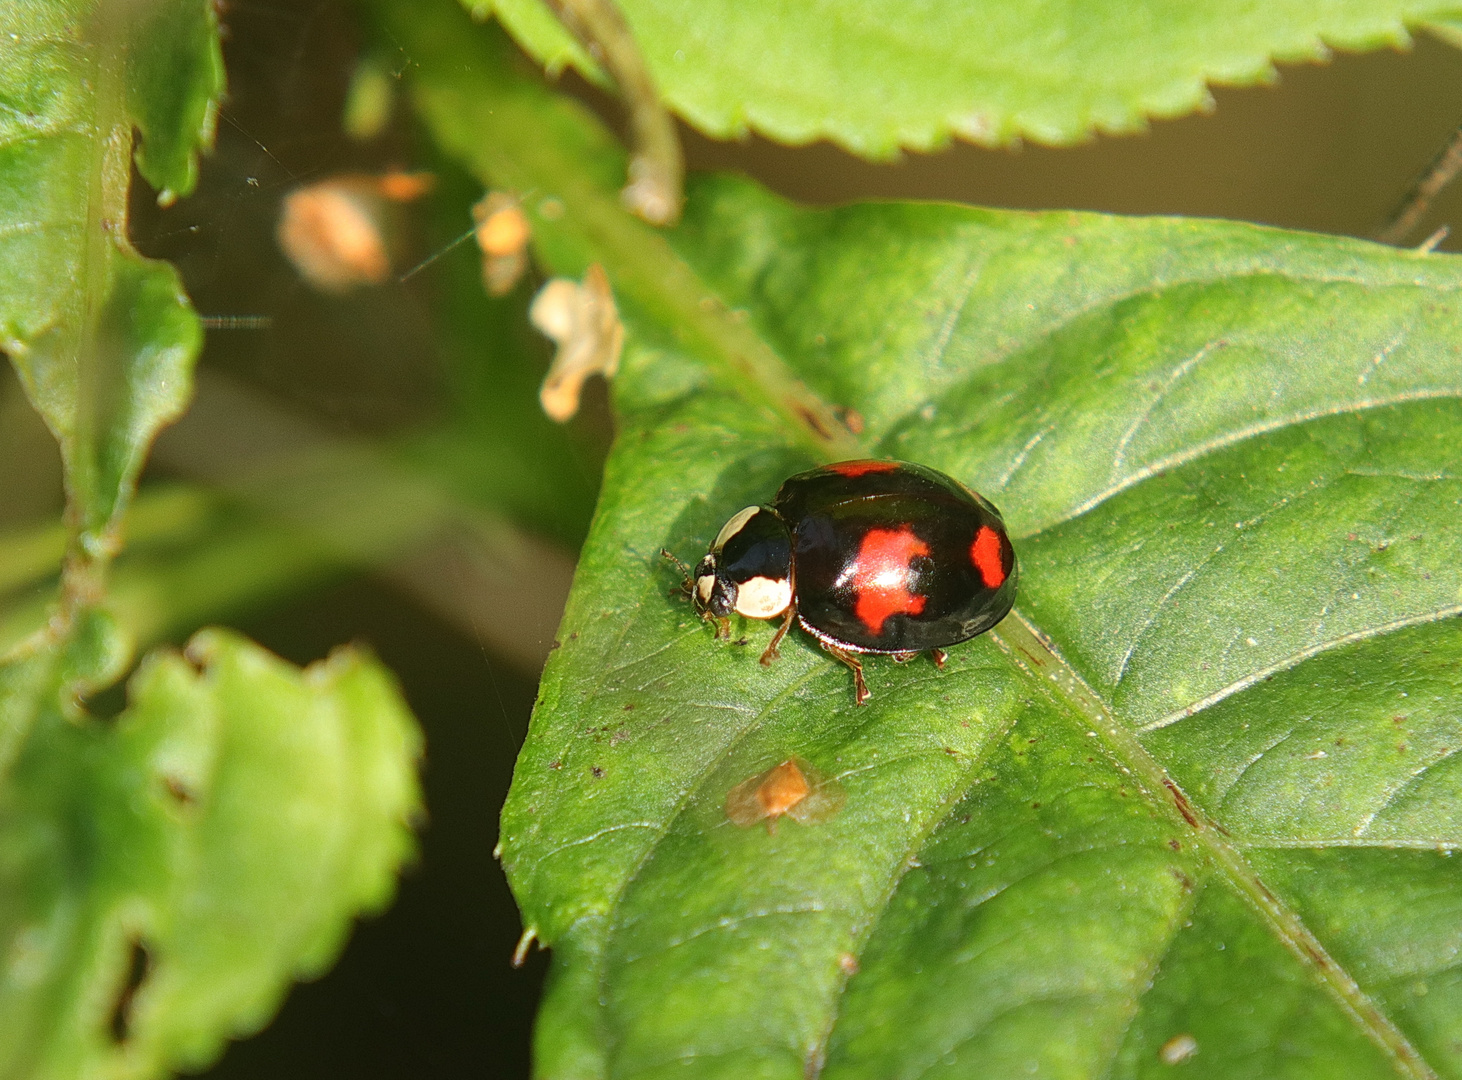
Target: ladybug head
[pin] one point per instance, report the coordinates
(715, 594)
(748, 570)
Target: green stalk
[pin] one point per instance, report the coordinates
(515, 134)
(657, 166)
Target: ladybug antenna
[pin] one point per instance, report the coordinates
(685, 584)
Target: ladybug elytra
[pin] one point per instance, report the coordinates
(883, 557)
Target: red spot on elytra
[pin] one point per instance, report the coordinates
(882, 576)
(985, 554)
(862, 466)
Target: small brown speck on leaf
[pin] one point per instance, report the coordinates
(793, 788)
(180, 791)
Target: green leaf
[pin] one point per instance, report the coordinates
(878, 75)
(1230, 459)
(103, 340)
(165, 875)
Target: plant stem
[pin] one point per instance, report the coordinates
(1441, 172)
(515, 134)
(160, 516)
(657, 167)
(90, 544)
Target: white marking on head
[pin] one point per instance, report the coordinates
(763, 597)
(703, 586)
(734, 526)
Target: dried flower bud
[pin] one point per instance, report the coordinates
(334, 232)
(502, 234)
(584, 322)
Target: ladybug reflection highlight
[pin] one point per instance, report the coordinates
(881, 557)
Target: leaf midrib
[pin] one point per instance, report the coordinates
(1074, 698)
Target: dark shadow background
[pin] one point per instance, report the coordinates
(426, 990)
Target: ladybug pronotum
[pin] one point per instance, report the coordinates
(882, 557)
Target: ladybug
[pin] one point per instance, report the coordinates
(869, 556)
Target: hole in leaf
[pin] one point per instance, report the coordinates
(139, 963)
(107, 704)
(179, 791)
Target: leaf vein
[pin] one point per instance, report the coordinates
(1173, 378)
(1238, 435)
(1295, 658)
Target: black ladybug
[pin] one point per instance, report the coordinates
(870, 556)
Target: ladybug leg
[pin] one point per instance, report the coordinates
(939, 656)
(771, 652)
(902, 657)
(860, 688)
(723, 626)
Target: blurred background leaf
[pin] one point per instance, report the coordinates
(167, 875)
(102, 339)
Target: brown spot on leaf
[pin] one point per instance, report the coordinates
(1181, 801)
(139, 963)
(180, 792)
(793, 788)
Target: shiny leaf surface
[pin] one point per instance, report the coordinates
(1229, 457)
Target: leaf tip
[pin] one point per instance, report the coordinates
(525, 942)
